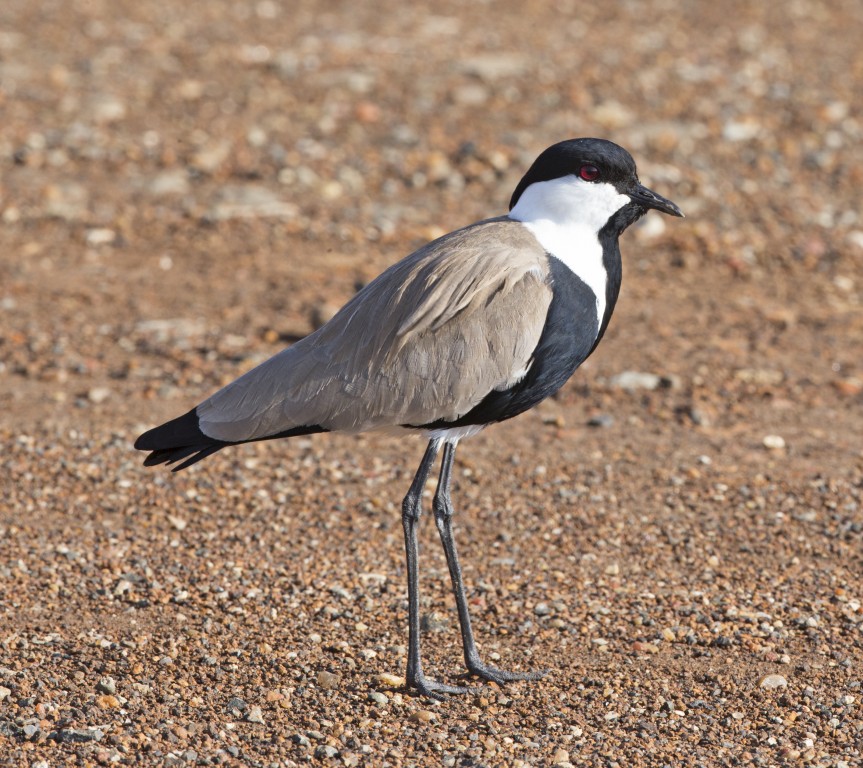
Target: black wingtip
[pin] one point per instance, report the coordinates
(176, 440)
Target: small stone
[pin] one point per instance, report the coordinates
(378, 698)
(423, 716)
(771, 682)
(541, 609)
(211, 156)
(639, 647)
(741, 130)
(101, 236)
(236, 706)
(255, 715)
(328, 680)
(4, 692)
(107, 685)
(849, 386)
(560, 756)
(107, 702)
(177, 522)
(66, 200)
(762, 376)
(773, 442)
(72, 735)
(632, 380)
(98, 395)
(433, 622)
(494, 66)
(173, 182)
(325, 751)
(250, 201)
(107, 109)
(601, 420)
(388, 680)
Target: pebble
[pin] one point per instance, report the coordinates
(773, 442)
(236, 706)
(325, 751)
(211, 156)
(741, 130)
(601, 420)
(423, 716)
(378, 698)
(66, 200)
(107, 109)
(389, 680)
(632, 380)
(98, 395)
(328, 680)
(172, 182)
(101, 236)
(4, 692)
(255, 715)
(107, 702)
(772, 681)
(495, 66)
(250, 201)
(79, 734)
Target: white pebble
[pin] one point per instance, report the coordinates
(774, 442)
(772, 681)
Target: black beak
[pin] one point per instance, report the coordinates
(649, 199)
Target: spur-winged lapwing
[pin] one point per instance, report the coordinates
(473, 328)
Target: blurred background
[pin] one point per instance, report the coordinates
(187, 187)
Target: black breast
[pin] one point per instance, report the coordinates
(570, 333)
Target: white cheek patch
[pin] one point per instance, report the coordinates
(565, 215)
(569, 200)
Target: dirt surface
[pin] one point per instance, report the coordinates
(188, 187)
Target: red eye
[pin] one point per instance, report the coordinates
(589, 172)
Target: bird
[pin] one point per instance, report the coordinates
(473, 328)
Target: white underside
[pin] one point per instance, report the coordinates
(565, 215)
(453, 434)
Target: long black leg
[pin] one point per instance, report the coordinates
(443, 512)
(411, 512)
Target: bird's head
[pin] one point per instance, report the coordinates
(585, 181)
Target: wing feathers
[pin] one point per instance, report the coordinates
(426, 340)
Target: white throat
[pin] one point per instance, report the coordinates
(565, 216)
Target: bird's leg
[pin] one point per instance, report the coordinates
(443, 512)
(411, 512)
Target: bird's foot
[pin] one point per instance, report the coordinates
(501, 676)
(425, 686)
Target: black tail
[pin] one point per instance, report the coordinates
(180, 438)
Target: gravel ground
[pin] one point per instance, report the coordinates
(677, 537)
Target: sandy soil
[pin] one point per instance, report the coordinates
(185, 188)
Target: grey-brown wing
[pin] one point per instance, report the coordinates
(425, 341)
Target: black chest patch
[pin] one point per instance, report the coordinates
(568, 337)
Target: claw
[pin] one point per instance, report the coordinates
(425, 686)
(501, 676)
